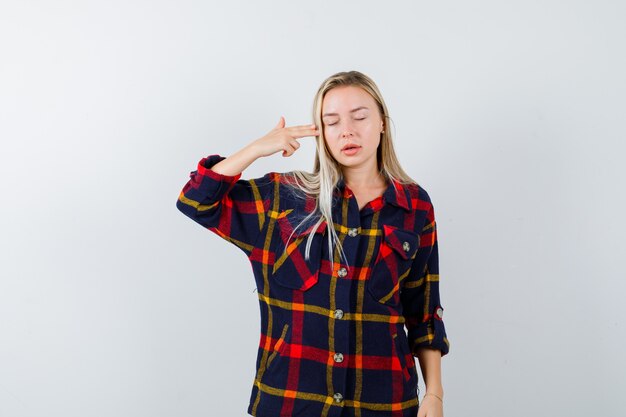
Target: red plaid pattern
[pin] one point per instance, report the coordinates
(333, 339)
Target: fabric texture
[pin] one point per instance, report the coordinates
(333, 340)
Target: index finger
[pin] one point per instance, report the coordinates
(304, 130)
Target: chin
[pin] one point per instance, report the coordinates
(350, 162)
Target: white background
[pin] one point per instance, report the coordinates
(510, 113)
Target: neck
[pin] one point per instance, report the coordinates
(361, 178)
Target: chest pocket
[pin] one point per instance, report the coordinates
(291, 269)
(396, 252)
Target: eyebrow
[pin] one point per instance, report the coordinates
(351, 111)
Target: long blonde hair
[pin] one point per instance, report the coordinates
(327, 172)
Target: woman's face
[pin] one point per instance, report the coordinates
(350, 116)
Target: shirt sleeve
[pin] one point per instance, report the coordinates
(421, 304)
(233, 208)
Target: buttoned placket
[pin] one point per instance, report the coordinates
(351, 226)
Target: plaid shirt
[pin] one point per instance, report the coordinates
(332, 338)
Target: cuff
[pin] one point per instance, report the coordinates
(431, 333)
(213, 184)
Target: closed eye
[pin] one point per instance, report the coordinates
(332, 124)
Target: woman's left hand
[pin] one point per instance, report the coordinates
(430, 406)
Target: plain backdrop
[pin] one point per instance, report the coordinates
(510, 113)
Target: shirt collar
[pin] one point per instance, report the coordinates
(398, 196)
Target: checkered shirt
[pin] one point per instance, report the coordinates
(333, 340)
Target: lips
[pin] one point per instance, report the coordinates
(349, 146)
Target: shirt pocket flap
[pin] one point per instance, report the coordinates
(287, 227)
(291, 268)
(405, 242)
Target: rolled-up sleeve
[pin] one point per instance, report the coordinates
(233, 208)
(421, 303)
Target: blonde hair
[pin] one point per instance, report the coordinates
(327, 172)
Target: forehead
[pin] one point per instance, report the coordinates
(345, 98)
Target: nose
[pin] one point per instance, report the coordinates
(347, 130)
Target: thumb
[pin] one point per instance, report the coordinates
(281, 123)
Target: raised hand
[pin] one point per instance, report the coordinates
(282, 138)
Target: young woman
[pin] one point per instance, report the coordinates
(343, 258)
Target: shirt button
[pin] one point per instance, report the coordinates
(406, 246)
(342, 272)
(338, 357)
(440, 312)
(353, 232)
(338, 314)
(338, 397)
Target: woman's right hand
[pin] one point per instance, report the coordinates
(282, 138)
